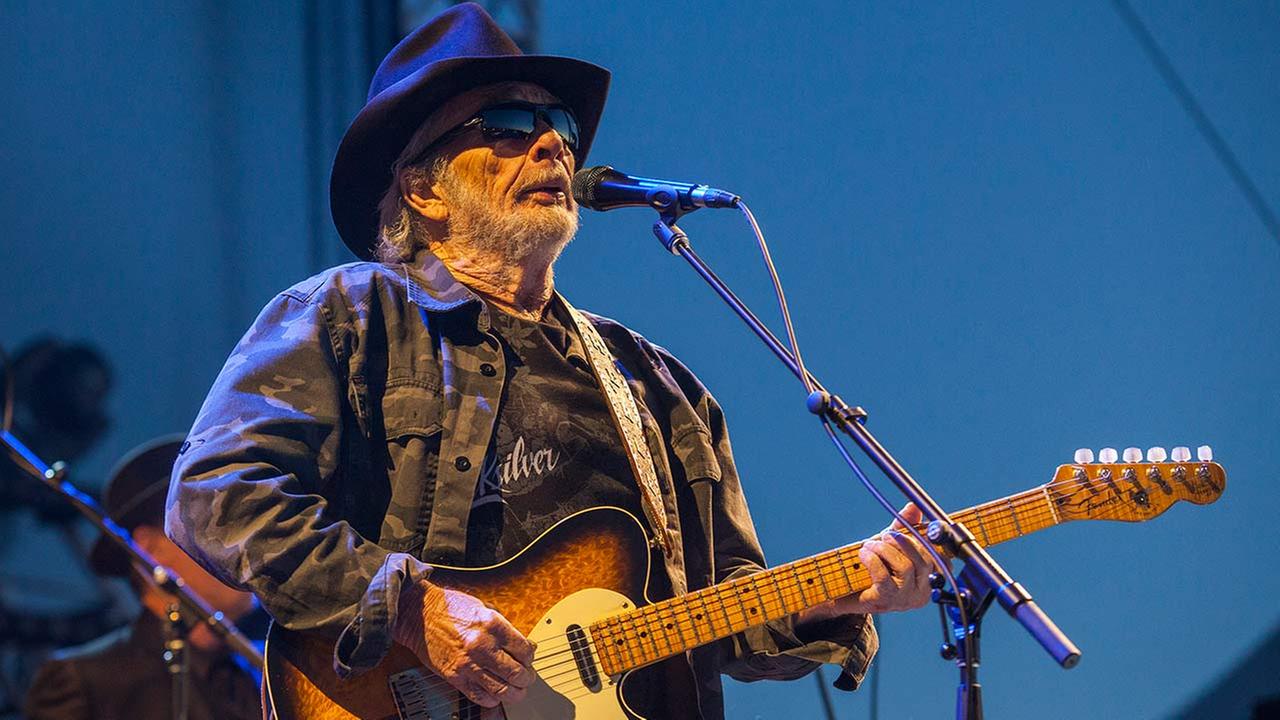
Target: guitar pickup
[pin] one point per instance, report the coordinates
(581, 648)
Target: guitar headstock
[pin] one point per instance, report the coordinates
(1129, 489)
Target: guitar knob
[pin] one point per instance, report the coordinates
(1132, 455)
(1108, 455)
(1204, 453)
(1084, 456)
(1157, 455)
(1181, 454)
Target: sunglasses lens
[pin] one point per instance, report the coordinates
(521, 121)
(563, 122)
(507, 122)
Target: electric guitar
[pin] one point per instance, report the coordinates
(579, 592)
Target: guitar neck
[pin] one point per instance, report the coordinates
(670, 627)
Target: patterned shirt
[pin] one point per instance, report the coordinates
(338, 454)
(556, 450)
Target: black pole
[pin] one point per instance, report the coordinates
(984, 576)
(193, 608)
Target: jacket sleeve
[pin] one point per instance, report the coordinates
(248, 496)
(779, 650)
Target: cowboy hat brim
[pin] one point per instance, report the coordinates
(362, 167)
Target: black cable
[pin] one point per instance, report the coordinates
(1198, 115)
(875, 677)
(827, 707)
(941, 563)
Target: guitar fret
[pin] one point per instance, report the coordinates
(764, 606)
(821, 580)
(737, 595)
(982, 525)
(724, 606)
(844, 568)
(705, 615)
(649, 629)
(777, 587)
(622, 644)
(1017, 526)
(670, 624)
(840, 575)
(795, 571)
(1049, 501)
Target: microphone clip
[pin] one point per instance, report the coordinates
(668, 233)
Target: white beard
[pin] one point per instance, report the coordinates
(531, 231)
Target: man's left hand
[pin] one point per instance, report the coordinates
(899, 570)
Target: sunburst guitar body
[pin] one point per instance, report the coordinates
(590, 566)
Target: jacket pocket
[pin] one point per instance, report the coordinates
(693, 449)
(412, 424)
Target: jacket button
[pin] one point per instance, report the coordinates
(488, 370)
(462, 463)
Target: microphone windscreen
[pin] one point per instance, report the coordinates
(584, 185)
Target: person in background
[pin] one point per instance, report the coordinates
(123, 675)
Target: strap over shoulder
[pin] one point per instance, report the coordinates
(626, 418)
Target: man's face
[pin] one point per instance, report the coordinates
(508, 195)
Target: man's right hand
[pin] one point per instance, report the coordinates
(465, 642)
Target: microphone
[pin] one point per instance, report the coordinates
(603, 188)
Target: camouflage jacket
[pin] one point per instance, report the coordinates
(337, 455)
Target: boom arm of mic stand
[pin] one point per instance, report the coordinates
(192, 605)
(852, 421)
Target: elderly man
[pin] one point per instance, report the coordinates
(444, 406)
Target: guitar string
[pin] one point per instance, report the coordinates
(1034, 501)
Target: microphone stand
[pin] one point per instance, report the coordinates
(187, 610)
(981, 579)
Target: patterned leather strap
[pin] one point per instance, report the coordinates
(626, 418)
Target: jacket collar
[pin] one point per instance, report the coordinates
(432, 288)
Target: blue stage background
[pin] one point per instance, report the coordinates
(999, 231)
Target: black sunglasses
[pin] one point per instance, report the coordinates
(519, 121)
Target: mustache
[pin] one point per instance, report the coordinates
(545, 178)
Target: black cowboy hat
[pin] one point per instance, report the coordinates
(134, 495)
(460, 49)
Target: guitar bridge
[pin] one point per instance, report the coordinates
(409, 688)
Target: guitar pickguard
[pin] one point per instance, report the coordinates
(571, 683)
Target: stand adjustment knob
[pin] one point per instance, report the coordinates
(818, 402)
(948, 651)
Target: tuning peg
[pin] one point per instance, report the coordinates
(1132, 455)
(1204, 453)
(1084, 456)
(1107, 455)
(1181, 454)
(1157, 455)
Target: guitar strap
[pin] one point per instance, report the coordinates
(626, 418)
